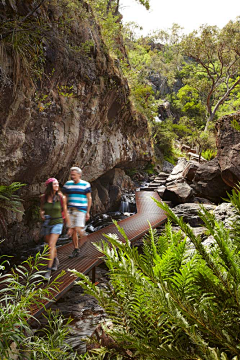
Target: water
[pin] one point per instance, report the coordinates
(128, 204)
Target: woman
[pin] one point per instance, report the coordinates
(53, 209)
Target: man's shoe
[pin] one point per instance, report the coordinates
(55, 264)
(75, 253)
(47, 275)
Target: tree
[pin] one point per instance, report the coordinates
(218, 53)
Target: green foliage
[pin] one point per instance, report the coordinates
(191, 106)
(170, 302)
(150, 169)
(235, 125)
(65, 91)
(163, 137)
(22, 289)
(9, 201)
(209, 154)
(234, 199)
(216, 52)
(23, 36)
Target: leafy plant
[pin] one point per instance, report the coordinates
(209, 154)
(216, 52)
(170, 302)
(9, 201)
(235, 125)
(22, 289)
(150, 169)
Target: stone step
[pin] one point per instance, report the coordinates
(160, 190)
(158, 182)
(162, 176)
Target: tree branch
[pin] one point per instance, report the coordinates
(223, 98)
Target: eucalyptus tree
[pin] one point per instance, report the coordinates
(217, 52)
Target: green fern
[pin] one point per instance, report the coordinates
(169, 303)
(9, 202)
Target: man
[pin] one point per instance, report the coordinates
(79, 202)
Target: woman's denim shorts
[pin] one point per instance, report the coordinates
(54, 229)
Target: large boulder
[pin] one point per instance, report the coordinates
(177, 171)
(208, 182)
(178, 193)
(228, 144)
(190, 170)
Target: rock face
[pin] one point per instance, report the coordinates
(228, 144)
(107, 191)
(76, 112)
(178, 193)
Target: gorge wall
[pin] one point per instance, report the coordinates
(75, 111)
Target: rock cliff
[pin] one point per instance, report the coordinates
(74, 110)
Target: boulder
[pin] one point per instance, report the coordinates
(190, 170)
(226, 213)
(217, 177)
(208, 182)
(167, 167)
(177, 172)
(228, 144)
(178, 193)
(189, 213)
(200, 200)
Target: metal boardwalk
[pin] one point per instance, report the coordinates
(135, 227)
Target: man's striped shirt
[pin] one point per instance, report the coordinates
(77, 194)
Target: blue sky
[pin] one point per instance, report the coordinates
(189, 14)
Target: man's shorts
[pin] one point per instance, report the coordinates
(77, 218)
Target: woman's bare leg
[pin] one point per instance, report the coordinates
(52, 248)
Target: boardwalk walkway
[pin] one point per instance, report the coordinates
(135, 227)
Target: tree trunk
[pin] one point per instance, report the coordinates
(209, 119)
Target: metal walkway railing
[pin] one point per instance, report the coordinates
(135, 227)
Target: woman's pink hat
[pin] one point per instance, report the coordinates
(50, 180)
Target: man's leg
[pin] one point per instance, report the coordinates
(75, 238)
(76, 251)
(82, 236)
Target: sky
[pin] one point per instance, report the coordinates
(189, 14)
